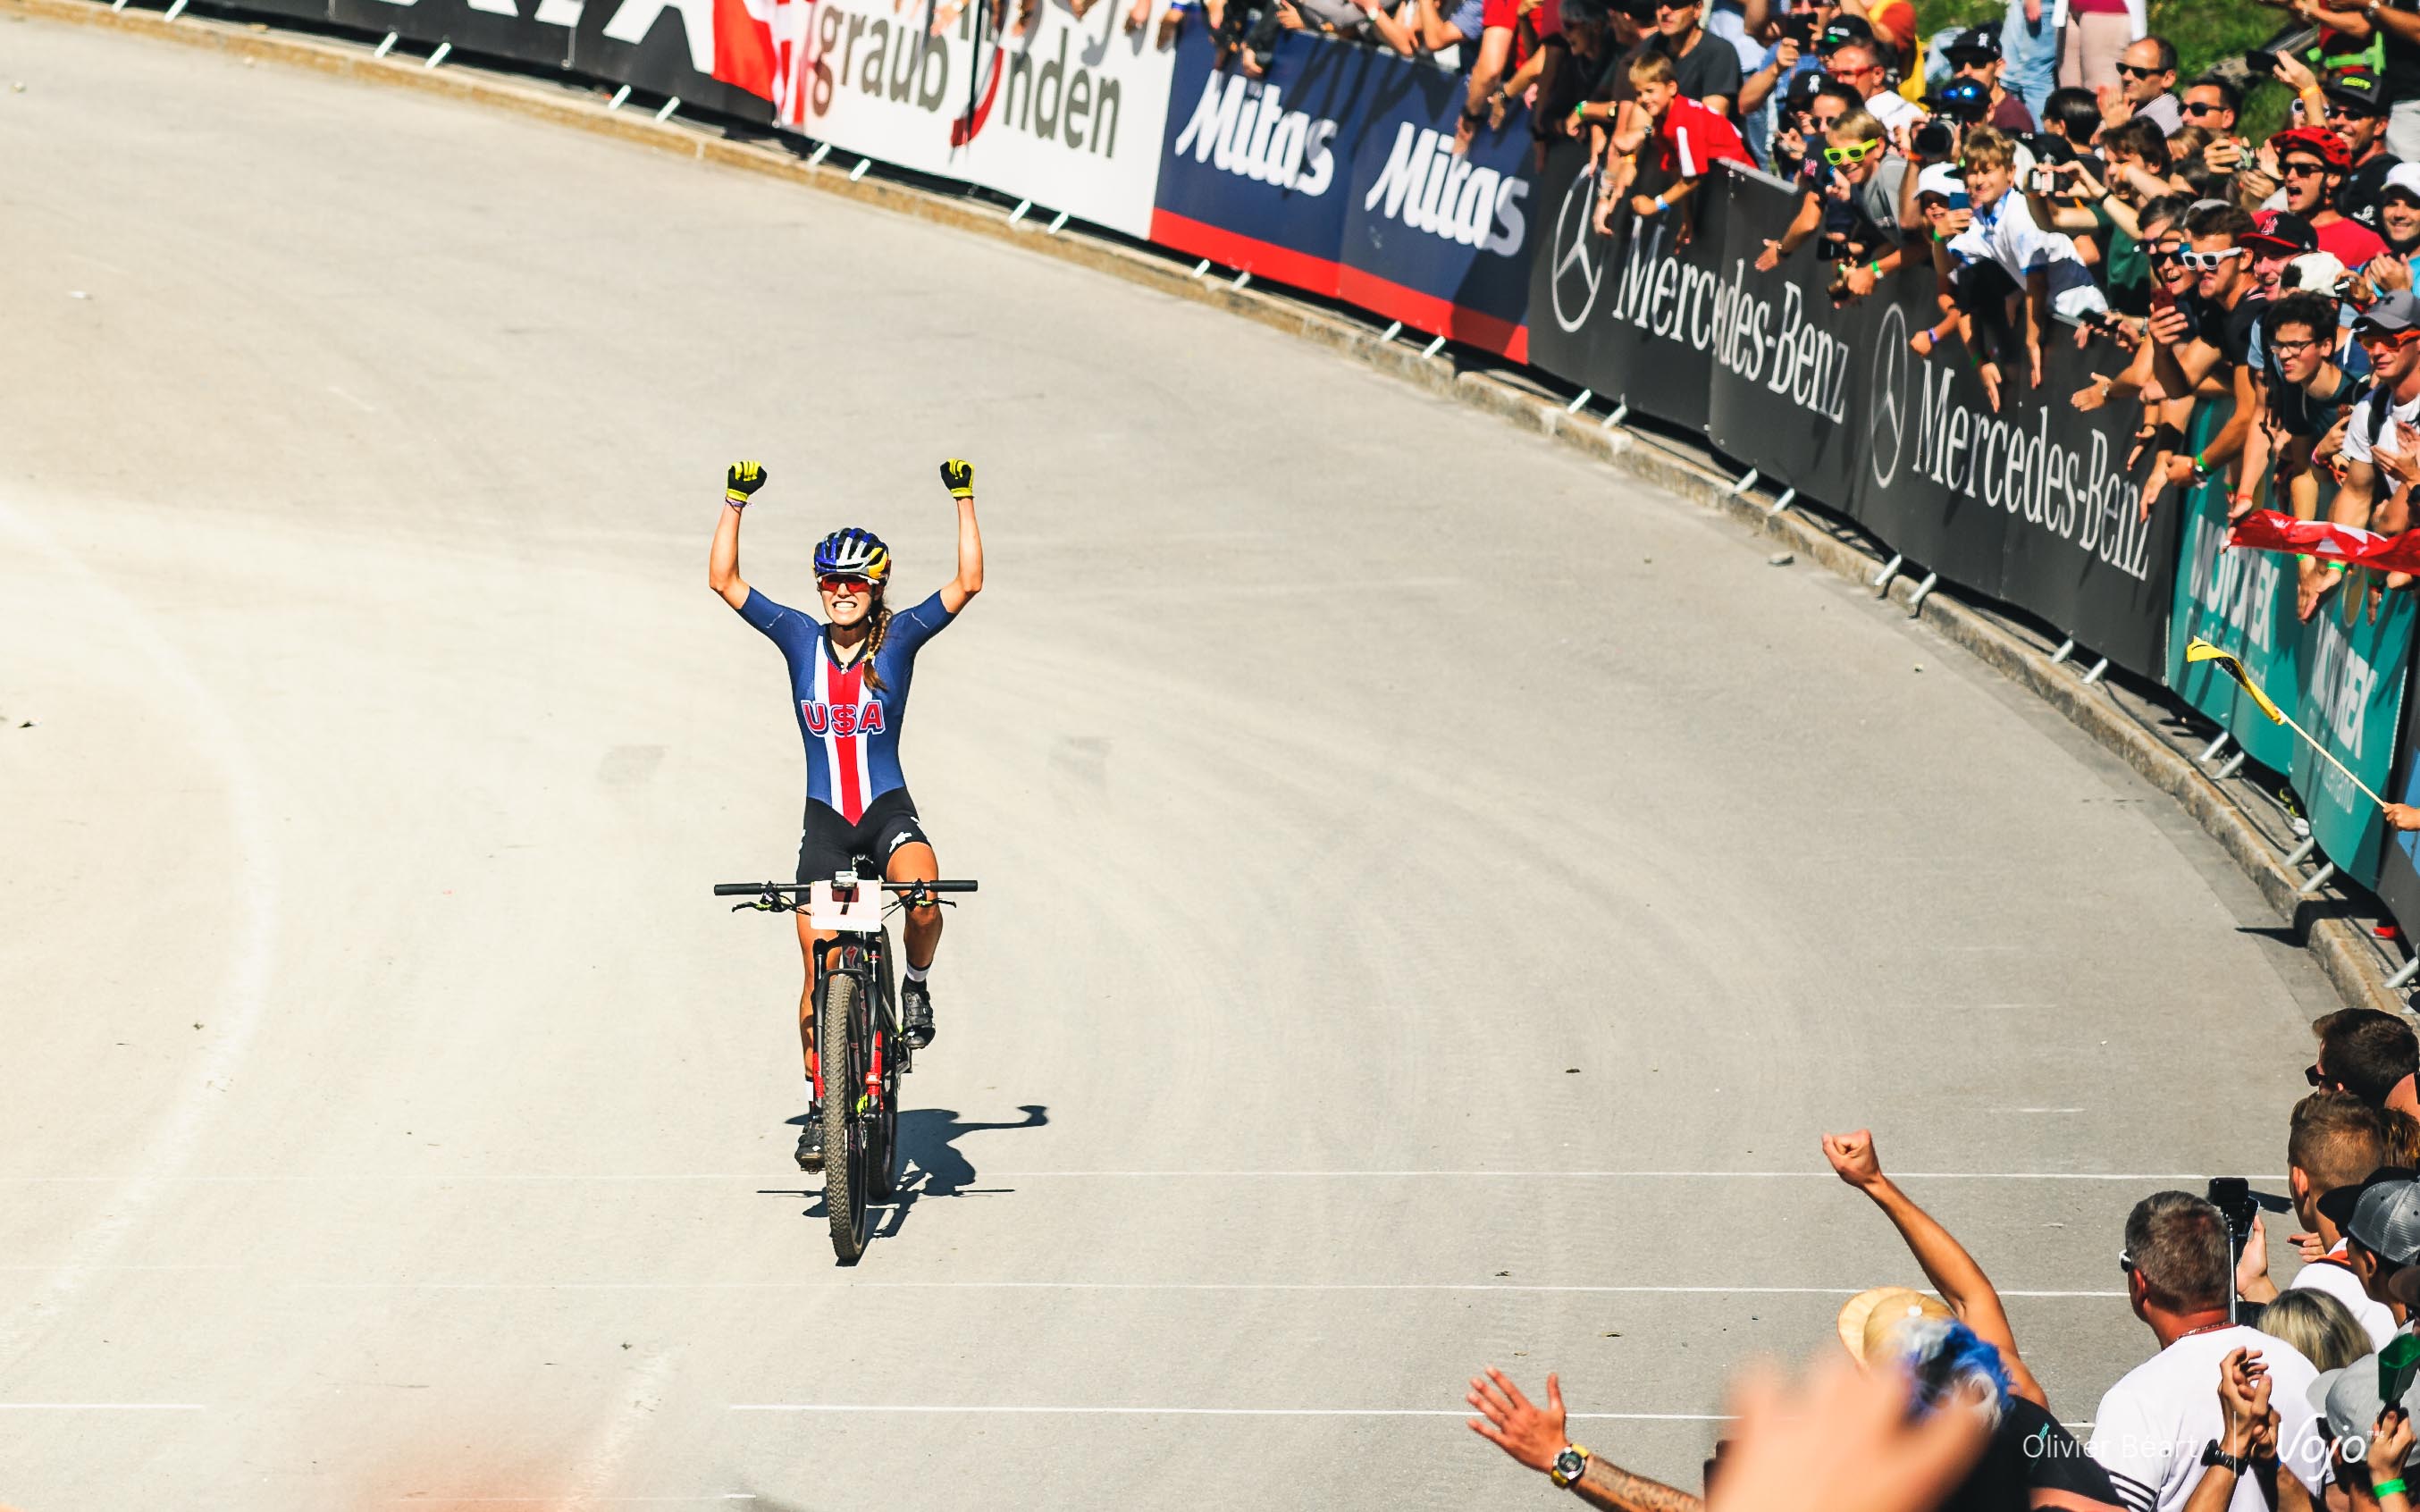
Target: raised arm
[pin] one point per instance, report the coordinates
(1952, 1272)
(959, 478)
(722, 562)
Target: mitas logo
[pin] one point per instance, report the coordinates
(843, 719)
(1245, 128)
(1429, 189)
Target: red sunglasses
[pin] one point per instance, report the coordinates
(844, 585)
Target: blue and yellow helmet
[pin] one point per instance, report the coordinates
(853, 553)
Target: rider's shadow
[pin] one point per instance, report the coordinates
(931, 1163)
(928, 1145)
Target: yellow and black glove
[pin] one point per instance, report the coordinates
(743, 479)
(959, 478)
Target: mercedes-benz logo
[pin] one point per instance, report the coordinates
(1578, 266)
(1887, 425)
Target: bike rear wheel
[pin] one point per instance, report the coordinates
(839, 1048)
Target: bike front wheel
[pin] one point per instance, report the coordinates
(842, 1057)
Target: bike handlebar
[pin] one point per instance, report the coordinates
(750, 889)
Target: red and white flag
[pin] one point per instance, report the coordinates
(2267, 529)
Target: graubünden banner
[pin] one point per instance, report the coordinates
(2027, 502)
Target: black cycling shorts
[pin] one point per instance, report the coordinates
(829, 842)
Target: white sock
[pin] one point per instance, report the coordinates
(919, 972)
(811, 1091)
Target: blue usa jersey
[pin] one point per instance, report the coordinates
(851, 732)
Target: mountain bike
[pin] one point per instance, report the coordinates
(860, 1054)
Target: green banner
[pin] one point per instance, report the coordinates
(2241, 602)
(2340, 675)
(2351, 703)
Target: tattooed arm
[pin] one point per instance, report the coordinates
(1607, 1485)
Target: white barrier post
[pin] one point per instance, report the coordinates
(1018, 214)
(175, 10)
(2094, 676)
(2303, 852)
(1880, 584)
(666, 113)
(859, 172)
(385, 46)
(1745, 484)
(434, 58)
(2234, 764)
(1788, 497)
(1199, 268)
(2318, 879)
(2066, 649)
(1243, 280)
(621, 97)
(1581, 403)
(1433, 347)
(2210, 752)
(1058, 223)
(2403, 974)
(1620, 413)
(1394, 328)
(1923, 589)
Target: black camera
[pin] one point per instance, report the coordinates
(2262, 63)
(2232, 1196)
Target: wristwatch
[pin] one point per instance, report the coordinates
(1572, 1463)
(2210, 1455)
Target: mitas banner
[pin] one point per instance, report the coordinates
(2024, 499)
(1336, 173)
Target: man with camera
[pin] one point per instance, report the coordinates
(2337, 1141)
(2157, 1430)
(1975, 53)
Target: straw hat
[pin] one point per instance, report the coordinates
(1869, 1318)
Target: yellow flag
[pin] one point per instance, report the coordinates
(2199, 650)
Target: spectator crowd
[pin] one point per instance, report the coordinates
(2251, 1397)
(2056, 170)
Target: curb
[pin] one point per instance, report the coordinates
(2340, 947)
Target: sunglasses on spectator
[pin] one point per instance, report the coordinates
(1850, 156)
(2126, 1262)
(2205, 261)
(2370, 340)
(2300, 166)
(2196, 107)
(2134, 73)
(844, 585)
(2316, 1077)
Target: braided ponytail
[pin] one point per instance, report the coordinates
(873, 637)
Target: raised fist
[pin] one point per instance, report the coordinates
(741, 480)
(959, 478)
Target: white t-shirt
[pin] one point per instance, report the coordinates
(2152, 1426)
(2364, 417)
(2375, 1318)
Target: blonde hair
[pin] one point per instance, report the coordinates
(2321, 1329)
(1987, 148)
(1652, 67)
(1856, 126)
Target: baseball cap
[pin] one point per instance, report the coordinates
(1842, 30)
(1868, 1318)
(1802, 93)
(2337, 1203)
(2396, 310)
(2348, 1400)
(2276, 231)
(1966, 99)
(2315, 271)
(2357, 90)
(1940, 179)
(2386, 1215)
(2404, 177)
(1976, 44)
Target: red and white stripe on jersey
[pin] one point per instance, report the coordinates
(846, 767)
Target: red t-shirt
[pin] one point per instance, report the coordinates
(2349, 243)
(1692, 139)
(1545, 21)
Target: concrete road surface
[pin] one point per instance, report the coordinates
(1434, 893)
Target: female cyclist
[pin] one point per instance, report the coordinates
(848, 679)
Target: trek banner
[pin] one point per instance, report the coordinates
(1335, 173)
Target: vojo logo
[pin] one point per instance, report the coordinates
(1579, 265)
(1429, 189)
(1886, 426)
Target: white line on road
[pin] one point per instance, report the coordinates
(467, 1178)
(1195, 1412)
(1112, 1286)
(102, 1407)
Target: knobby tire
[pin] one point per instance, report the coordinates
(842, 1058)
